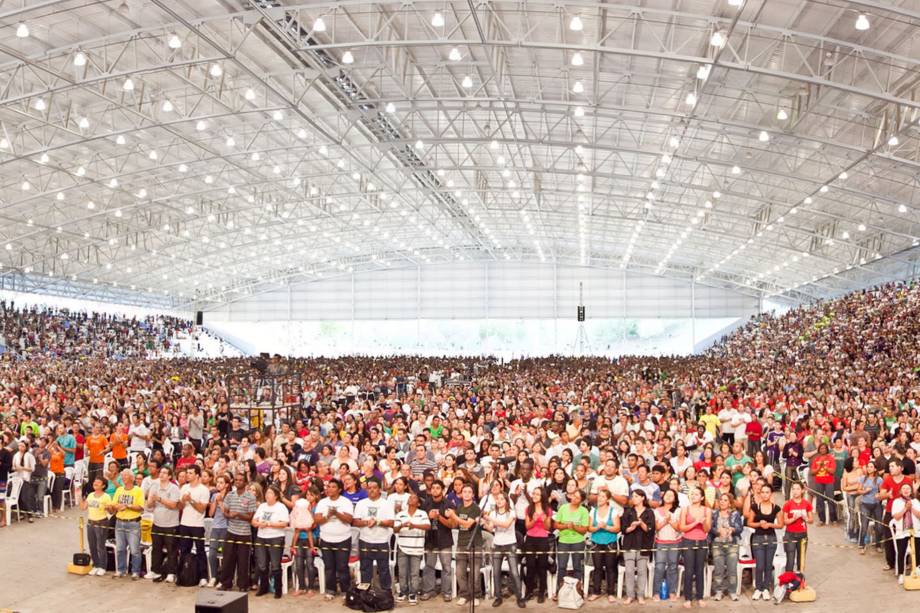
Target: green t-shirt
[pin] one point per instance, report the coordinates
(579, 517)
(731, 462)
(464, 534)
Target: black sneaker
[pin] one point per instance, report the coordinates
(521, 603)
(497, 602)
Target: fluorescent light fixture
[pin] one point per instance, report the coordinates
(763, 136)
(577, 59)
(216, 70)
(22, 30)
(578, 87)
(391, 108)
(782, 115)
(174, 41)
(319, 25)
(437, 20)
(862, 23)
(576, 24)
(79, 59)
(348, 58)
(455, 55)
(718, 39)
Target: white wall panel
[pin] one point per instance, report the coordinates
(494, 290)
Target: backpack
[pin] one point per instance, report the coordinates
(570, 594)
(188, 571)
(363, 597)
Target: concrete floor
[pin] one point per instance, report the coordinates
(33, 579)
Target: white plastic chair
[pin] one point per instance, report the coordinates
(13, 489)
(69, 472)
(46, 503)
(287, 560)
(76, 482)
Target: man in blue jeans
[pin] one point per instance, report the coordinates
(128, 504)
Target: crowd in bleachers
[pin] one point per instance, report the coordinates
(46, 332)
(563, 477)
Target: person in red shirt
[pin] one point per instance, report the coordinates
(188, 456)
(887, 493)
(823, 466)
(798, 513)
(754, 432)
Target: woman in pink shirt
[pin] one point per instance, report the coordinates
(539, 521)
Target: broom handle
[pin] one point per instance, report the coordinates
(802, 554)
(81, 536)
(913, 553)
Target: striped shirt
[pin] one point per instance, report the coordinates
(236, 503)
(420, 466)
(411, 541)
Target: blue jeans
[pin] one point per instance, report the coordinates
(303, 566)
(498, 553)
(666, 555)
(763, 548)
(408, 572)
(725, 567)
(575, 551)
(695, 553)
(215, 543)
(379, 553)
(335, 560)
(127, 537)
(97, 533)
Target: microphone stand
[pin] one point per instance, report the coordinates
(474, 581)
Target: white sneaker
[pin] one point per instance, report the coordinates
(212, 582)
(152, 576)
(461, 601)
(900, 579)
(203, 583)
(475, 602)
(755, 595)
(717, 597)
(97, 572)
(734, 597)
(170, 578)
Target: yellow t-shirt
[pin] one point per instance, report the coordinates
(95, 506)
(134, 496)
(711, 421)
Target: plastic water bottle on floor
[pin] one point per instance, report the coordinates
(663, 590)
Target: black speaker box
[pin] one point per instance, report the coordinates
(214, 601)
(199, 318)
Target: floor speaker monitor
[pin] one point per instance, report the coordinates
(215, 601)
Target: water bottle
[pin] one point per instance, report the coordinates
(663, 590)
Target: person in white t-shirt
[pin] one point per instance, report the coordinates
(613, 482)
(374, 517)
(139, 433)
(905, 515)
(334, 516)
(271, 519)
(501, 521)
(410, 524)
(193, 500)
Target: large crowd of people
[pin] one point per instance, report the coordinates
(48, 332)
(639, 477)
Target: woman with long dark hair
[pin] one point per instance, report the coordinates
(695, 521)
(538, 520)
(604, 527)
(764, 517)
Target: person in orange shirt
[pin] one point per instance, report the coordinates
(96, 445)
(118, 444)
(56, 466)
